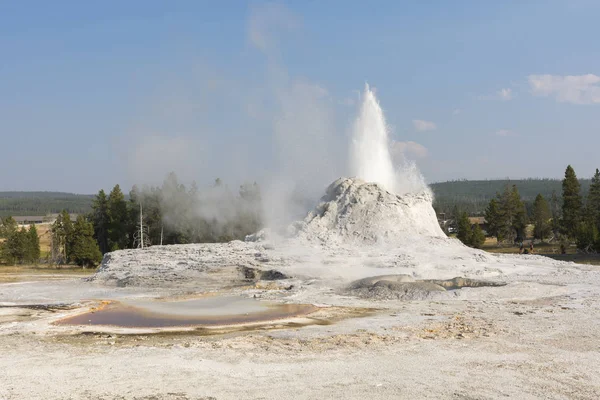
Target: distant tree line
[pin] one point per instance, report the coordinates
(506, 215)
(171, 214)
(450, 197)
(473, 196)
(570, 218)
(506, 219)
(175, 214)
(580, 220)
(74, 242)
(42, 203)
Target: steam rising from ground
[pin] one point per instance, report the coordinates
(304, 144)
(283, 132)
(381, 219)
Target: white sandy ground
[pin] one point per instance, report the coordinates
(538, 337)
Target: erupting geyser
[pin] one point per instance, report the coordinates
(379, 204)
(370, 157)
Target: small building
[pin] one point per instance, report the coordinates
(479, 221)
(29, 219)
(444, 223)
(51, 218)
(40, 219)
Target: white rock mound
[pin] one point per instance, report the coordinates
(358, 230)
(353, 210)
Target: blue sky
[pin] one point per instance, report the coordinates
(98, 93)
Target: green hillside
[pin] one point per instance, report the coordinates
(470, 196)
(473, 196)
(42, 203)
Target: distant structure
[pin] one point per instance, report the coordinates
(40, 219)
(445, 224)
(479, 221)
(29, 219)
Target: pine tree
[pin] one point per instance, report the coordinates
(492, 217)
(84, 248)
(33, 245)
(464, 231)
(101, 221)
(572, 204)
(555, 210)
(512, 215)
(62, 235)
(7, 226)
(477, 237)
(14, 248)
(133, 213)
(505, 215)
(541, 218)
(117, 211)
(455, 213)
(152, 213)
(588, 237)
(588, 232)
(593, 201)
(519, 222)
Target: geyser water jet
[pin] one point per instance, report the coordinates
(370, 157)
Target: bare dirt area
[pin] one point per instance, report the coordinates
(40, 273)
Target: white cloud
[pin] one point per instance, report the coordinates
(505, 94)
(456, 111)
(410, 149)
(422, 125)
(505, 132)
(575, 89)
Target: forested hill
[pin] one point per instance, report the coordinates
(470, 196)
(42, 203)
(473, 196)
